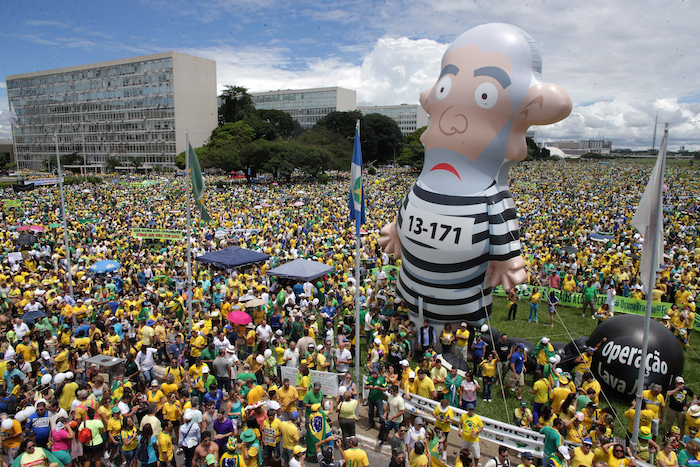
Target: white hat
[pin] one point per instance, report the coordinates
(319, 347)
(273, 405)
(564, 451)
(545, 340)
(463, 324)
(187, 415)
(694, 411)
(70, 375)
(377, 341)
(579, 416)
(205, 369)
(45, 355)
(665, 317)
(679, 379)
(552, 359)
(404, 363)
(411, 374)
(231, 349)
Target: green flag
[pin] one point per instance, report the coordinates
(197, 183)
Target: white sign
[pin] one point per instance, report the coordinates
(450, 233)
(42, 181)
(16, 256)
(329, 381)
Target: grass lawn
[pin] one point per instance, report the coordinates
(577, 326)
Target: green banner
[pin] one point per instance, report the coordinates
(12, 203)
(622, 304)
(155, 234)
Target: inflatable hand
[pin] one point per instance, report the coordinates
(390, 240)
(509, 273)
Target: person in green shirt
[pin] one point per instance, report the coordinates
(552, 437)
(315, 396)
(589, 292)
(376, 383)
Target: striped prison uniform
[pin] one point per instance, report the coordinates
(453, 284)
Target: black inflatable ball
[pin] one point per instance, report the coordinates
(559, 349)
(531, 364)
(577, 346)
(616, 363)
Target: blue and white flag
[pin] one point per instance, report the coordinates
(357, 195)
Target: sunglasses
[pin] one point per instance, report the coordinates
(619, 450)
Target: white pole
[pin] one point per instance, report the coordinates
(65, 223)
(655, 219)
(189, 235)
(84, 158)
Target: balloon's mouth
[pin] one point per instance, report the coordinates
(448, 167)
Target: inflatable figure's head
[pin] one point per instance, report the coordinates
(490, 90)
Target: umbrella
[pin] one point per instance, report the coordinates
(299, 203)
(37, 228)
(455, 362)
(265, 205)
(570, 249)
(255, 302)
(274, 184)
(55, 225)
(596, 237)
(240, 317)
(23, 228)
(31, 316)
(246, 297)
(106, 265)
(26, 239)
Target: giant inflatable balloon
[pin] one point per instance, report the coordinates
(457, 230)
(616, 363)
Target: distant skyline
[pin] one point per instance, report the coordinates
(619, 61)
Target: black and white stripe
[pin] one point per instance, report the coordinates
(454, 285)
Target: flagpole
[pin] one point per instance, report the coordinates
(189, 235)
(65, 223)
(358, 340)
(13, 125)
(655, 221)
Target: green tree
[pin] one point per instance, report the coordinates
(343, 123)
(4, 158)
(381, 138)
(412, 150)
(338, 147)
(283, 123)
(112, 163)
(236, 104)
(136, 162)
(202, 154)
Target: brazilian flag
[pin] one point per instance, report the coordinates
(318, 430)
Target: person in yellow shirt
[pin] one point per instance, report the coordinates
(114, 428)
(166, 453)
(444, 415)
(28, 349)
(424, 386)
(535, 299)
(462, 341)
(197, 343)
(584, 454)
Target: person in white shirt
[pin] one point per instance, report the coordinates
(33, 305)
(291, 356)
(221, 342)
(415, 433)
(308, 289)
(343, 359)
(21, 328)
(146, 363)
(263, 331)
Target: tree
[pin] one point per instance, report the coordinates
(282, 121)
(342, 123)
(236, 104)
(202, 155)
(412, 150)
(112, 163)
(66, 159)
(136, 162)
(381, 138)
(338, 147)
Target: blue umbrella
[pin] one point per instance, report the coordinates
(104, 266)
(31, 316)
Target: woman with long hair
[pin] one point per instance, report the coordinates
(61, 437)
(567, 409)
(94, 449)
(234, 408)
(151, 441)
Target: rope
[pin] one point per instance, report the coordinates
(500, 378)
(581, 355)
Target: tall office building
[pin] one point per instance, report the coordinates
(408, 117)
(306, 106)
(130, 108)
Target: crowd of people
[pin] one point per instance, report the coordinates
(209, 391)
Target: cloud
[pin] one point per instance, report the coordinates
(43, 23)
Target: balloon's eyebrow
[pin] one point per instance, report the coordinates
(449, 70)
(499, 74)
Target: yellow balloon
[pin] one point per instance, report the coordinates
(377, 182)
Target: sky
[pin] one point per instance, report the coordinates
(621, 61)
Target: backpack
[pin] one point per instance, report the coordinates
(85, 435)
(142, 451)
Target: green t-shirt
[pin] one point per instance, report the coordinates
(589, 293)
(312, 399)
(376, 394)
(552, 440)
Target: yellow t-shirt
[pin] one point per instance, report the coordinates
(542, 395)
(443, 419)
(579, 458)
(461, 337)
(198, 341)
(171, 411)
(357, 457)
(470, 427)
(424, 388)
(271, 431)
(290, 435)
(165, 447)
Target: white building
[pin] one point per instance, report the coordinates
(130, 108)
(408, 117)
(307, 106)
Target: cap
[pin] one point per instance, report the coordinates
(592, 405)
(299, 449)
(377, 341)
(591, 349)
(463, 325)
(679, 379)
(154, 382)
(645, 432)
(315, 407)
(470, 406)
(676, 430)
(187, 415)
(545, 340)
(115, 410)
(294, 415)
(45, 355)
(521, 345)
(319, 347)
(523, 403)
(579, 416)
(527, 455)
(411, 374)
(588, 441)
(564, 451)
(311, 346)
(665, 317)
(210, 459)
(419, 421)
(205, 369)
(404, 363)
(552, 359)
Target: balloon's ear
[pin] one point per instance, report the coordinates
(545, 104)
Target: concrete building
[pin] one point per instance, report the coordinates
(408, 117)
(583, 147)
(6, 147)
(307, 106)
(130, 108)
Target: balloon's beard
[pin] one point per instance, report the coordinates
(474, 176)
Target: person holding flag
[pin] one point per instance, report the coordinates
(317, 430)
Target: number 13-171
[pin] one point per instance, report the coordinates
(433, 229)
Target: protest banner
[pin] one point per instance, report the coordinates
(12, 203)
(155, 234)
(42, 181)
(329, 381)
